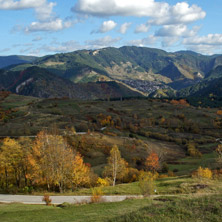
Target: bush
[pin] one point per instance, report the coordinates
(104, 182)
(47, 199)
(146, 183)
(202, 173)
(96, 195)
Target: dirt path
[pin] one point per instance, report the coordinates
(29, 199)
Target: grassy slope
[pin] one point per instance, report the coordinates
(166, 209)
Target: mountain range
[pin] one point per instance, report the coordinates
(113, 72)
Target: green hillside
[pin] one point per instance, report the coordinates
(14, 60)
(39, 82)
(135, 63)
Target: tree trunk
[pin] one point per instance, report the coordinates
(6, 178)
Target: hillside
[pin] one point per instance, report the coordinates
(15, 60)
(209, 88)
(39, 82)
(179, 69)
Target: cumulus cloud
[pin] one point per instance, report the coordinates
(62, 47)
(48, 26)
(68, 46)
(22, 4)
(208, 44)
(142, 28)
(106, 27)
(176, 30)
(124, 27)
(117, 7)
(102, 42)
(150, 40)
(169, 41)
(181, 13)
(160, 12)
(45, 11)
(43, 8)
(46, 18)
(210, 39)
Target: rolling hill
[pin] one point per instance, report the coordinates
(15, 60)
(39, 82)
(134, 63)
(144, 71)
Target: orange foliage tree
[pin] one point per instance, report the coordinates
(152, 162)
(55, 164)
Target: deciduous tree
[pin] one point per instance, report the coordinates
(152, 162)
(54, 163)
(117, 166)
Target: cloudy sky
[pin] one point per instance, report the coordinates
(39, 27)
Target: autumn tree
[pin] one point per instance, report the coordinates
(26, 146)
(146, 183)
(152, 162)
(117, 166)
(54, 163)
(202, 173)
(10, 161)
(193, 151)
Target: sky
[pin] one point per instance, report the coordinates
(42, 27)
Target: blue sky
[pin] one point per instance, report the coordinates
(40, 27)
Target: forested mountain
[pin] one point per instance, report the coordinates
(39, 82)
(14, 60)
(147, 70)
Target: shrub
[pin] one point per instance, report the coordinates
(146, 183)
(131, 176)
(171, 174)
(47, 199)
(104, 182)
(202, 173)
(96, 195)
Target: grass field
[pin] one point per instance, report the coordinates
(167, 209)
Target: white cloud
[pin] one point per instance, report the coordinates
(150, 40)
(176, 30)
(62, 47)
(160, 12)
(48, 26)
(117, 7)
(169, 41)
(142, 28)
(102, 42)
(106, 27)
(124, 27)
(68, 46)
(181, 13)
(209, 44)
(43, 8)
(45, 11)
(210, 39)
(22, 4)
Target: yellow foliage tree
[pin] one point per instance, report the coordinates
(146, 182)
(117, 166)
(54, 163)
(203, 173)
(11, 157)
